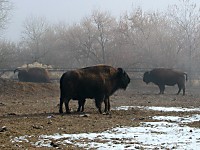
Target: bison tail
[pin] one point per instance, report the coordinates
(186, 77)
(61, 81)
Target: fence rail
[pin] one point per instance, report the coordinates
(134, 73)
(65, 69)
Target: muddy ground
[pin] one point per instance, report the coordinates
(32, 109)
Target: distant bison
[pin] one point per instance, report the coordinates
(39, 75)
(98, 82)
(162, 77)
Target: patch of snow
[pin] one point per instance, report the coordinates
(126, 107)
(166, 134)
(21, 139)
(149, 135)
(185, 119)
(154, 108)
(172, 109)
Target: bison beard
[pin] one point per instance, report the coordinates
(162, 77)
(98, 82)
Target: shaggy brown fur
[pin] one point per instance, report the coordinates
(98, 82)
(39, 75)
(162, 77)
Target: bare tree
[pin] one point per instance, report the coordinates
(104, 24)
(147, 35)
(5, 47)
(186, 17)
(138, 39)
(33, 37)
(89, 41)
(66, 46)
(84, 44)
(7, 54)
(5, 7)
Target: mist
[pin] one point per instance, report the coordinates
(132, 38)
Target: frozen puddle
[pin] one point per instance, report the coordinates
(170, 132)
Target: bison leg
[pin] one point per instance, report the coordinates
(99, 108)
(181, 86)
(81, 104)
(61, 106)
(184, 90)
(67, 105)
(162, 88)
(179, 90)
(66, 101)
(98, 102)
(107, 105)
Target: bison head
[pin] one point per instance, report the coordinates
(146, 77)
(23, 75)
(124, 79)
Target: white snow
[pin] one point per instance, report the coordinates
(149, 135)
(154, 108)
(168, 132)
(176, 109)
(185, 119)
(21, 139)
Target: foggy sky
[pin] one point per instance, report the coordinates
(71, 11)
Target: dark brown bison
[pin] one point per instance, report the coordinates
(162, 77)
(39, 75)
(98, 82)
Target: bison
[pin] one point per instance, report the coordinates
(95, 82)
(35, 74)
(162, 77)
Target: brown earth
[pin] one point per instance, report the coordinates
(32, 109)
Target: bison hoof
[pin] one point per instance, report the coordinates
(106, 113)
(68, 112)
(78, 110)
(60, 111)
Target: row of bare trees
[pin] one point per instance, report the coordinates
(136, 39)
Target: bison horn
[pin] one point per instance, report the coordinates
(16, 70)
(121, 71)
